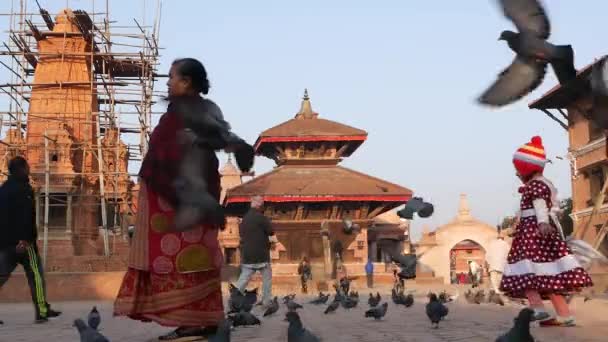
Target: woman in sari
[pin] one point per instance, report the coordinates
(173, 277)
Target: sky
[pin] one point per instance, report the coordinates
(407, 72)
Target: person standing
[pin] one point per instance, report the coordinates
(257, 239)
(305, 273)
(369, 272)
(474, 273)
(18, 236)
(540, 264)
(174, 275)
(498, 250)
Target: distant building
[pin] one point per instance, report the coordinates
(570, 105)
(447, 250)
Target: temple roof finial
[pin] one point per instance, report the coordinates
(306, 111)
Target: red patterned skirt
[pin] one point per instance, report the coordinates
(184, 290)
(541, 263)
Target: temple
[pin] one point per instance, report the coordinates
(308, 195)
(66, 116)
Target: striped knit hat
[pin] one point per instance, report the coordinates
(530, 158)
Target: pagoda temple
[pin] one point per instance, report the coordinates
(308, 195)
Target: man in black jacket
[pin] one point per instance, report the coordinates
(257, 238)
(18, 235)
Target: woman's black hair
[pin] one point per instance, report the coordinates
(193, 69)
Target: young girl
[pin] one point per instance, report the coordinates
(540, 265)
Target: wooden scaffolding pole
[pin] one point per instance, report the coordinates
(47, 176)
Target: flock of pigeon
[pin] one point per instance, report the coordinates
(526, 73)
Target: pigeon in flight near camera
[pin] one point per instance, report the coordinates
(533, 53)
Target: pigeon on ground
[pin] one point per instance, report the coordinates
(88, 334)
(495, 298)
(241, 302)
(292, 305)
(244, 318)
(273, 307)
(435, 310)
(94, 318)
(408, 300)
(470, 297)
(377, 312)
(480, 297)
(322, 299)
(373, 301)
(533, 52)
(345, 285)
(223, 332)
(350, 302)
(332, 307)
(296, 331)
(520, 332)
(1, 322)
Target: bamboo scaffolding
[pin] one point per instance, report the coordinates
(123, 75)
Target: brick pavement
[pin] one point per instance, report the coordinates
(465, 323)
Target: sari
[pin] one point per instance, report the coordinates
(174, 278)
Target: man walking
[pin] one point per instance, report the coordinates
(474, 273)
(18, 235)
(257, 238)
(369, 272)
(498, 250)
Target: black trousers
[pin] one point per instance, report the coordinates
(31, 262)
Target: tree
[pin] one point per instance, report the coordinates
(565, 220)
(507, 222)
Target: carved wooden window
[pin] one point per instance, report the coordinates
(595, 132)
(316, 211)
(284, 211)
(597, 177)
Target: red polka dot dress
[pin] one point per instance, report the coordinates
(541, 263)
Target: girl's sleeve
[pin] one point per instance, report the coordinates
(540, 195)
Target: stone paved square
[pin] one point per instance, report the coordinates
(465, 323)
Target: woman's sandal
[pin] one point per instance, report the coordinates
(183, 335)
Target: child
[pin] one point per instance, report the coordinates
(540, 265)
(305, 274)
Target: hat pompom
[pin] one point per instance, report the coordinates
(536, 140)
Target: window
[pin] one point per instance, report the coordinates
(230, 256)
(54, 158)
(597, 177)
(595, 132)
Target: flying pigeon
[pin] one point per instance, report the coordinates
(223, 332)
(296, 331)
(88, 334)
(533, 52)
(273, 307)
(435, 310)
(377, 312)
(94, 318)
(520, 332)
(289, 297)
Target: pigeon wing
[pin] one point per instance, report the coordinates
(519, 79)
(528, 16)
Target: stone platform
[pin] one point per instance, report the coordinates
(471, 323)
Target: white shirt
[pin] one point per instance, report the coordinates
(498, 250)
(474, 267)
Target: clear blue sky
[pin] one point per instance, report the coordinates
(406, 71)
